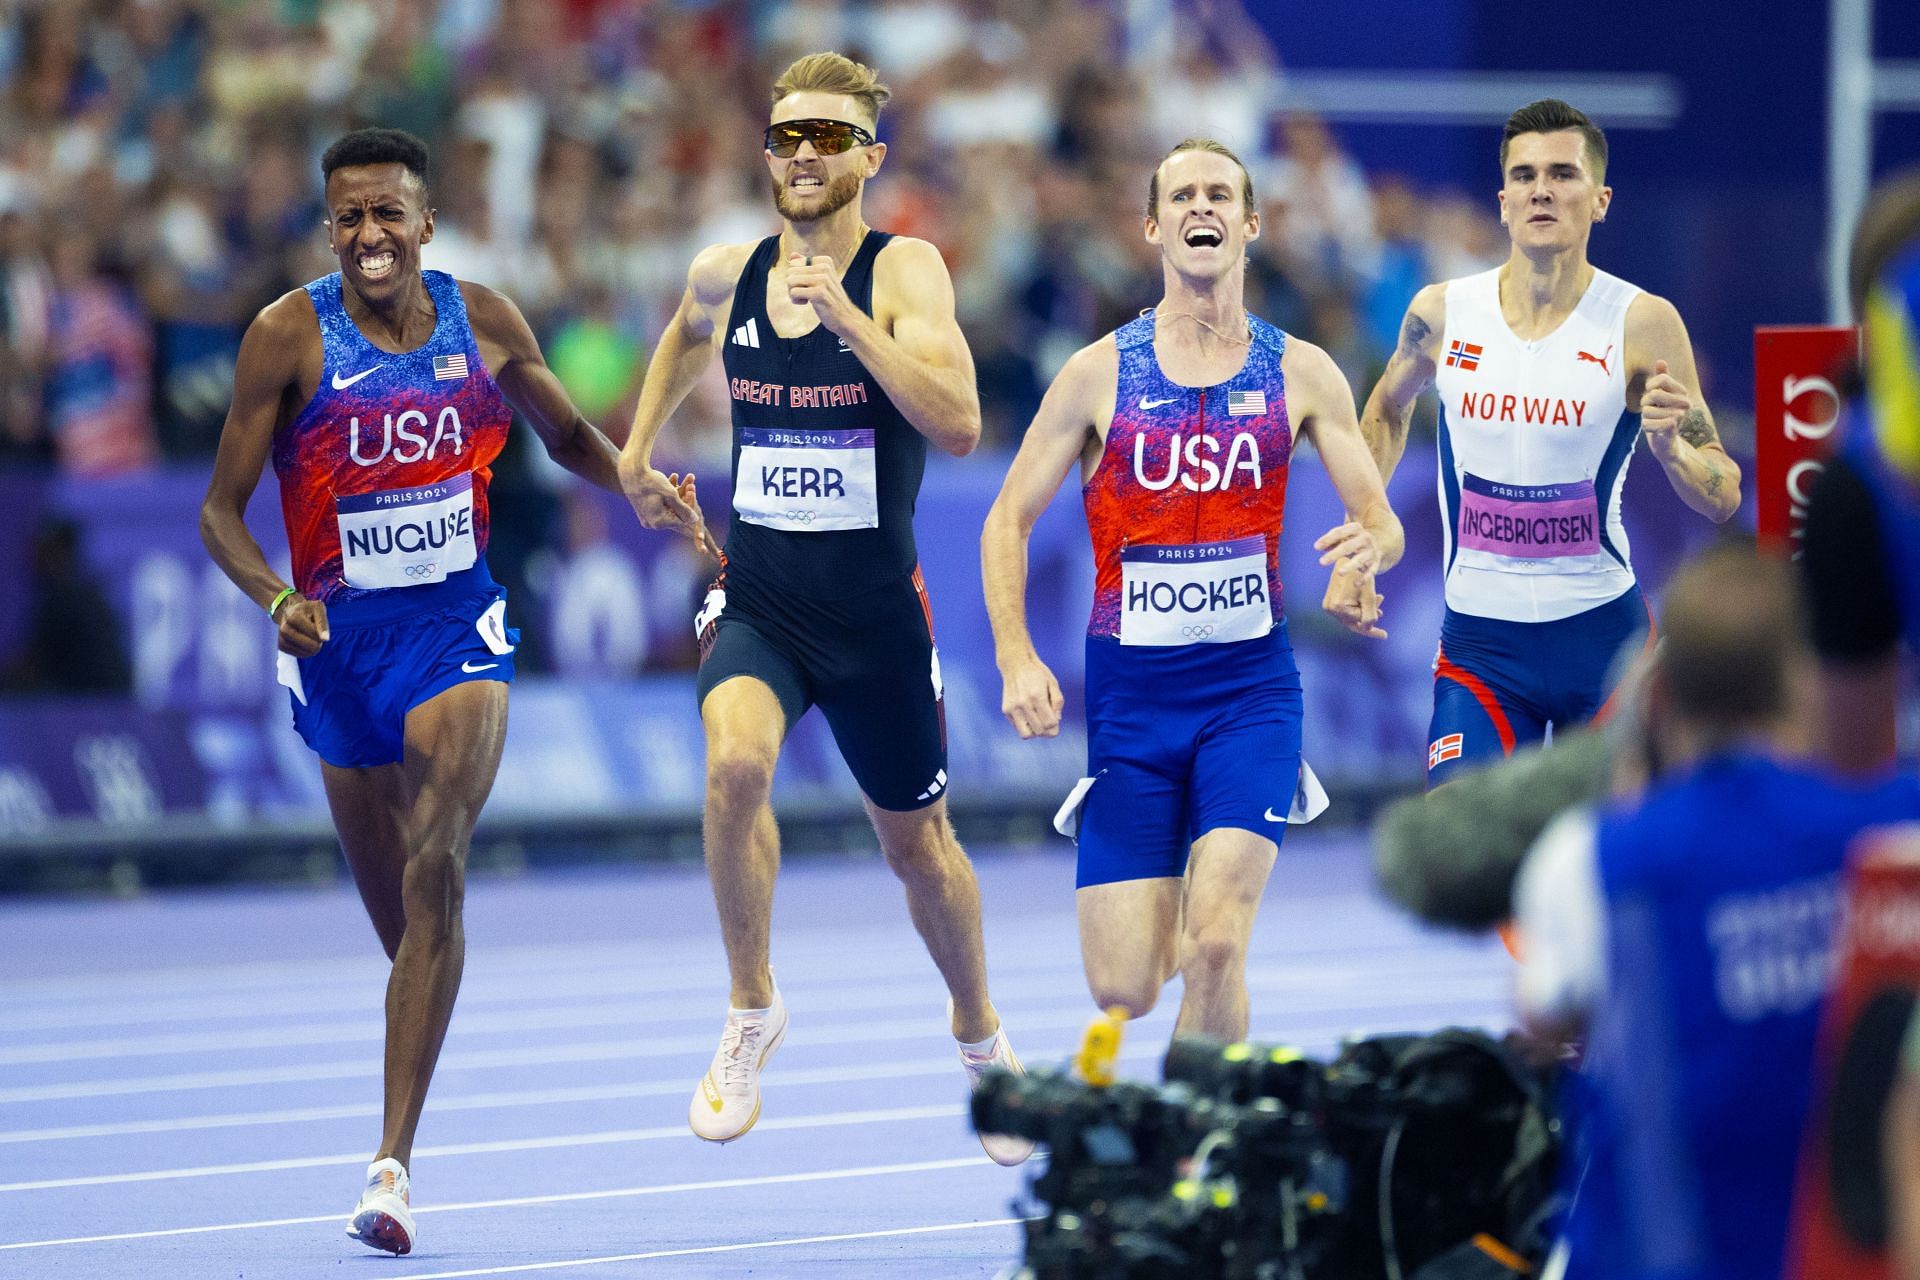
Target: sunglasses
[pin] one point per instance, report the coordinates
(829, 137)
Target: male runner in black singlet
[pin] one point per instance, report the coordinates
(839, 378)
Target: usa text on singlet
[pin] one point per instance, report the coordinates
(383, 475)
(1186, 504)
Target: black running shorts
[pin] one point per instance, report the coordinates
(868, 663)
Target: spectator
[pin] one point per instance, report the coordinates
(73, 637)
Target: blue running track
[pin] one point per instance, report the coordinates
(190, 1083)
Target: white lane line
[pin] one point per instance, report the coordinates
(1401, 996)
(600, 1138)
(549, 1015)
(1143, 1047)
(717, 1248)
(799, 948)
(1493, 1018)
(516, 1202)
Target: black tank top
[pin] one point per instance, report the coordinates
(825, 470)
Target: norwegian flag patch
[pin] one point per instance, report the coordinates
(450, 368)
(1246, 404)
(1464, 355)
(1444, 749)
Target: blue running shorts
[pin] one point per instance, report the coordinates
(1181, 741)
(1497, 685)
(391, 652)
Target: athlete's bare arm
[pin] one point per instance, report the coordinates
(520, 370)
(1662, 384)
(682, 355)
(1371, 540)
(1069, 426)
(911, 344)
(1409, 371)
(277, 371)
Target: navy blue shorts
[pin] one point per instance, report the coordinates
(869, 663)
(1181, 741)
(391, 652)
(1497, 685)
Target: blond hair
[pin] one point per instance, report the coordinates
(834, 73)
(1199, 144)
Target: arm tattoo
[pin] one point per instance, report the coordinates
(1713, 481)
(1697, 431)
(1413, 334)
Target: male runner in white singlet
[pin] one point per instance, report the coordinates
(1550, 373)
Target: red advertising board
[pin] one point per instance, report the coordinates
(1796, 403)
(1841, 1227)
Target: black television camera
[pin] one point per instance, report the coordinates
(1404, 1157)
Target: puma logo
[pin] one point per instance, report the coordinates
(1600, 360)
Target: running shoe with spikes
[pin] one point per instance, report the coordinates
(384, 1219)
(1002, 1148)
(727, 1102)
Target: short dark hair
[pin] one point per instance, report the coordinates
(377, 146)
(1550, 115)
(1731, 624)
(1200, 144)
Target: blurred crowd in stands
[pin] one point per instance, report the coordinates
(159, 183)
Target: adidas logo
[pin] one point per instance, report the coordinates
(748, 334)
(939, 785)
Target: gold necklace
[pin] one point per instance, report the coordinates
(1228, 338)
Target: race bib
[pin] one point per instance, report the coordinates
(1534, 522)
(407, 537)
(806, 481)
(1199, 593)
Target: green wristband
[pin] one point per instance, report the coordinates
(278, 601)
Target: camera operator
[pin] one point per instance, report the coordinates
(1688, 934)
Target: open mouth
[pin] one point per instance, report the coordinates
(1205, 238)
(377, 266)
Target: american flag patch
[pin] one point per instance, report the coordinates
(1444, 749)
(449, 368)
(1246, 404)
(1464, 355)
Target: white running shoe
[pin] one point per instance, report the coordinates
(383, 1219)
(1002, 1148)
(728, 1100)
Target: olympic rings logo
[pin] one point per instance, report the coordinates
(422, 570)
(801, 517)
(1197, 631)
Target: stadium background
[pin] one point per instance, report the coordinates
(159, 183)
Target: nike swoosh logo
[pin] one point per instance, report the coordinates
(341, 384)
(1274, 817)
(1155, 404)
(469, 668)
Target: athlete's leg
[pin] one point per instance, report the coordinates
(943, 897)
(744, 726)
(1226, 875)
(453, 743)
(370, 807)
(1129, 936)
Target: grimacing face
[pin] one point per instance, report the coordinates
(1550, 196)
(1202, 224)
(808, 186)
(377, 219)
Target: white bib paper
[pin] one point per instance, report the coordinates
(407, 537)
(1197, 593)
(807, 481)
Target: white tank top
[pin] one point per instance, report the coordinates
(1534, 443)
